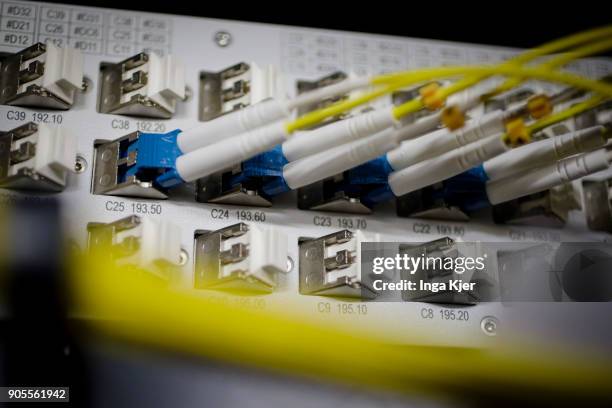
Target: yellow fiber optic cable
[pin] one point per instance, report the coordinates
(428, 74)
(565, 114)
(564, 43)
(586, 51)
(517, 133)
(318, 116)
(560, 60)
(545, 49)
(399, 80)
(510, 83)
(554, 46)
(129, 308)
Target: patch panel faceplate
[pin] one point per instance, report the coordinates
(301, 54)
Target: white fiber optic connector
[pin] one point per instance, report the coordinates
(443, 140)
(545, 177)
(306, 143)
(328, 163)
(542, 152)
(447, 165)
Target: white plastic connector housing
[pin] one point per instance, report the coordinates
(442, 140)
(159, 244)
(466, 100)
(307, 143)
(63, 72)
(543, 178)
(55, 153)
(264, 83)
(430, 123)
(328, 163)
(229, 152)
(259, 114)
(165, 81)
(420, 127)
(232, 124)
(544, 152)
(447, 165)
(267, 254)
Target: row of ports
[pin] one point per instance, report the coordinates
(40, 157)
(250, 259)
(145, 85)
(245, 258)
(149, 85)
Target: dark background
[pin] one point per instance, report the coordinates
(509, 23)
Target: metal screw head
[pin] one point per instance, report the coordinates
(188, 93)
(184, 257)
(290, 264)
(223, 38)
(80, 165)
(489, 325)
(86, 85)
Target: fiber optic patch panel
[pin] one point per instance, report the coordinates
(236, 226)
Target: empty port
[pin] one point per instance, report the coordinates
(240, 257)
(145, 243)
(42, 75)
(446, 248)
(331, 266)
(429, 203)
(598, 204)
(143, 85)
(548, 208)
(36, 157)
(235, 87)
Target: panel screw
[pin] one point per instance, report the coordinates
(223, 38)
(289, 264)
(489, 325)
(184, 257)
(80, 165)
(86, 85)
